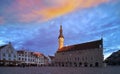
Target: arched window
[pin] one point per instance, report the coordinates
(91, 65)
(80, 64)
(62, 64)
(85, 64)
(96, 64)
(75, 64)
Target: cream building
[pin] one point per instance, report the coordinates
(25, 57)
(8, 55)
(89, 54)
(31, 58)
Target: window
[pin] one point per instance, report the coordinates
(22, 59)
(11, 51)
(80, 64)
(91, 58)
(9, 55)
(75, 64)
(83, 58)
(75, 58)
(4, 59)
(69, 59)
(25, 55)
(18, 58)
(4, 54)
(14, 56)
(96, 64)
(9, 58)
(86, 58)
(7, 50)
(85, 64)
(91, 65)
(100, 46)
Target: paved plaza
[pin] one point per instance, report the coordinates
(59, 70)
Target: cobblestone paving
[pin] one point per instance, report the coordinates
(59, 70)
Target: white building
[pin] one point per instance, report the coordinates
(89, 54)
(8, 55)
(31, 58)
(25, 57)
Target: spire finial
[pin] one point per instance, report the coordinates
(101, 36)
(61, 32)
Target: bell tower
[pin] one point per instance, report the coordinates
(61, 38)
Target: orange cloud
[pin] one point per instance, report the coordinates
(43, 10)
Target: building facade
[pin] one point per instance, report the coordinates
(51, 60)
(89, 54)
(31, 58)
(25, 57)
(8, 55)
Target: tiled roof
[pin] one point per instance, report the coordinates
(38, 54)
(83, 46)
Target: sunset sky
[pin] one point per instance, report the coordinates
(34, 24)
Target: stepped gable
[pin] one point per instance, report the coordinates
(83, 46)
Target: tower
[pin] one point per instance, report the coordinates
(61, 38)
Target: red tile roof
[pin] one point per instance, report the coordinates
(83, 46)
(38, 54)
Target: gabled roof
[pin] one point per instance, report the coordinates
(83, 46)
(9, 45)
(2, 46)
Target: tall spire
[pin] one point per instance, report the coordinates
(61, 38)
(61, 32)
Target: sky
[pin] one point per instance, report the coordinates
(34, 24)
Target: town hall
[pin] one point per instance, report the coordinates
(88, 54)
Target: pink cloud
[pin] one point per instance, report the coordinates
(42, 10)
